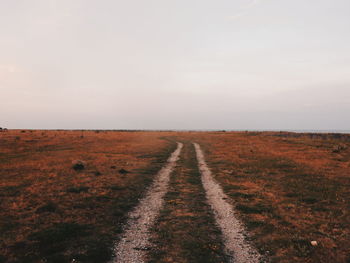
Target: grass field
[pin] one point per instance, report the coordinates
(65, 195)
(290, 189)
(51, 211)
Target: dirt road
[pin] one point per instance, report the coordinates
(197, 221)
(232, 229)
(135, 240)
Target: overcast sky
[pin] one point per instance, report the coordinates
(175, 64)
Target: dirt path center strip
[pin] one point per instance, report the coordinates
(232, 229)
(135, 239)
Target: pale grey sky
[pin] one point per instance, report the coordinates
(175, 64)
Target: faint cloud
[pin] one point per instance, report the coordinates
(55, 14)
(67, 14)
(252, 4)
(8, 68)
(244, 9)
(236, 16)
(53, 4)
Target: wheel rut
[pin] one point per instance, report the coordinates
(232, 229)
(135, 239)
(185, 217)
(186, 230)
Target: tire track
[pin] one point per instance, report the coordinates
(135, 239)
(186, 230)
(232, 229)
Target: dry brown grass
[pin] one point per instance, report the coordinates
(289, 190)
(42, 196)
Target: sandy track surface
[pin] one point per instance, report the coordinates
(135, 239)
(232, 229)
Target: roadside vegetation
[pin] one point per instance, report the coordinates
(65, 195)
(291, 190)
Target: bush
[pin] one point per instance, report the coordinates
(78, 165)
(97, 173)
(123, 171)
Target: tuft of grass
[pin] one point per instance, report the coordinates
(254, 224)
(3, 259)
(95, 250)
(10, 191)
(243, 195)
(78, 190)
(97, 173)
(78, 166)
(49, 207)
(123, 171)
(254, 209)
(117, 188)
(233, 187)
(58, 233)
(7, 225)
(50, 243)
